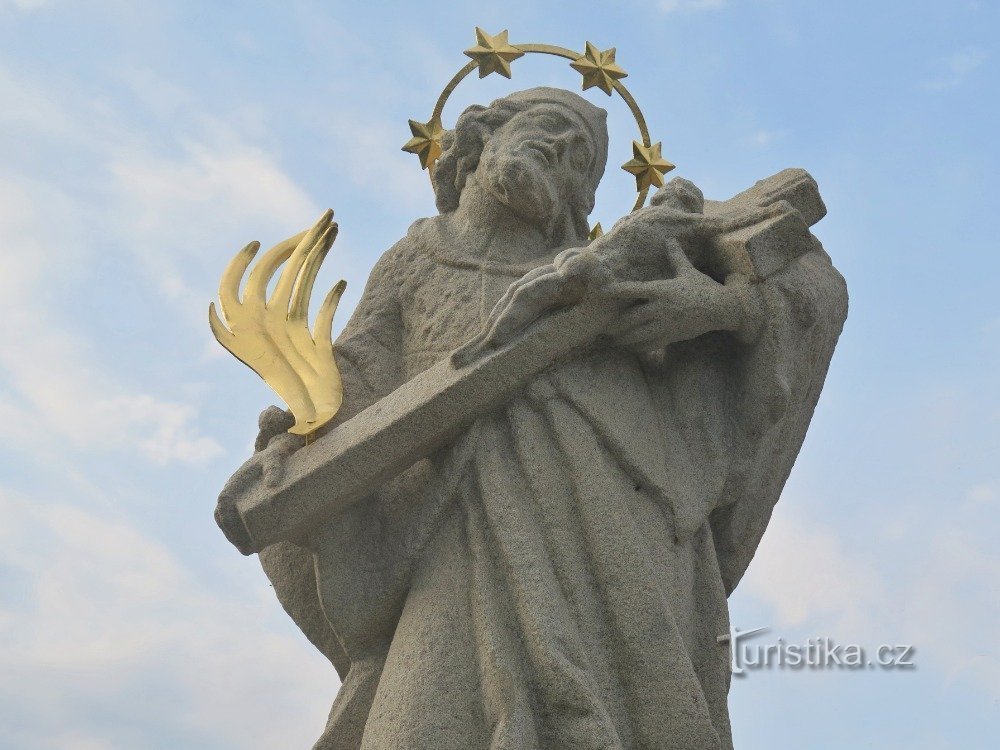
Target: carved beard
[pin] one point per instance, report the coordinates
(522, 178)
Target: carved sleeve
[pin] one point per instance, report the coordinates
(774, 386)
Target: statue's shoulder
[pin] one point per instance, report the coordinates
(413, 254)
(401, 255)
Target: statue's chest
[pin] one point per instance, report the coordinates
(448, 302)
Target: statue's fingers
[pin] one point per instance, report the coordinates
(298, 310)
(469, 351)
(526, 306)
(639, 315)
(514, 288)
(630, 290)
(541, 292)
(511, 320)
(525, 301)
(276, 455)
(681, 262)
(282, 295)
(516, 295)
(530, 301)
(507, 327)
(274, 469)
(272, 422)
(641, 336)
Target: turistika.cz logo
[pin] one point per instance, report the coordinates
(747, 654)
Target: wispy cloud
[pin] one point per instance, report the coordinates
(53, 385)
(763, 138)
(155, 207)
(24, 5)
(804, 572)
(946, 584)
(108, 626)
(955, 69)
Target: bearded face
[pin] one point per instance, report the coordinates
(536, 163)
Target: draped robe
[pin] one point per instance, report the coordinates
(556, 578)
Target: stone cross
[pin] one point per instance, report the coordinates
(429, 411)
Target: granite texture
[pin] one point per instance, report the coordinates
(555, 457)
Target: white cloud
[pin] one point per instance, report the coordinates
(29, 109)
(54, 388)
(101, 627)
(176, 212)
(173, 213)
(804, 573)
(955, 69)
(673, 6)
(368, 153)
(944, 596)
(112, 623)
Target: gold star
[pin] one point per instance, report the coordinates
(598, 68)
(426, 141)
(647, 165)
(596, 231)
(493, 53)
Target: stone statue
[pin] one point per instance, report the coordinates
(552, 570)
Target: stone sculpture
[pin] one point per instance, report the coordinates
(555, 457)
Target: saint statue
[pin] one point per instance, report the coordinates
(556, 576)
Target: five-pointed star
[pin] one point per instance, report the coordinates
(596, 231)
(648, 165)
(493, 53)
(426, 141)
(598, 68)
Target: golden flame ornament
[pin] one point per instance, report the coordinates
(271, 335)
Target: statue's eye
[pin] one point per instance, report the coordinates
(579, 155)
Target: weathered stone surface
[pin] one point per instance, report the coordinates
(555, 458)
(431, 409)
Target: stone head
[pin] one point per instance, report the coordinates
(542, 152)
(682, 195)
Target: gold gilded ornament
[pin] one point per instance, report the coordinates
(271, 335)
(647, 165)
(493, 54)
(426, 141)
(598, 68)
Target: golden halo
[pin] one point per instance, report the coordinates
(494, 54)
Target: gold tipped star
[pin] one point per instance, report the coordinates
(596, 231)
(426, 141)
(493, 53)
(598, 68)
(648, 165)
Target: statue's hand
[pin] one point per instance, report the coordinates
(265, 468)
(563, 282)
(677, 309)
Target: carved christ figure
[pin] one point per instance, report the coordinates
(556, 577)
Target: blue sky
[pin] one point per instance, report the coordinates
(142, 144)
